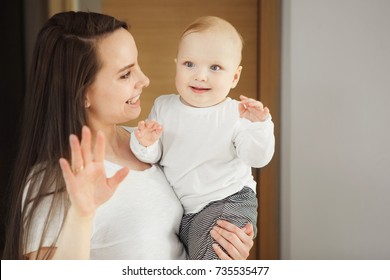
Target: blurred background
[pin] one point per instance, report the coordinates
(323, 68)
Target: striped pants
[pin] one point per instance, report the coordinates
(239, 209)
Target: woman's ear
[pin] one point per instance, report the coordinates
(236, 77)
(86, 102)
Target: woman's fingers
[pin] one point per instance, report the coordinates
(115, 180)
(236, 241)
(248, 228)
(220, 253)
(67, 173)
(77, 157)
(81, 153)
(234, 230)
(225, 240)
(86, 145)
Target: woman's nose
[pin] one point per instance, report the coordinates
(143, 80)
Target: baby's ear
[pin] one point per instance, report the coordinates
(175, 60)
(236, 76)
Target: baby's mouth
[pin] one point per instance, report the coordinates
(199, 90)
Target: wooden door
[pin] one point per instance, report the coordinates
(157, 26)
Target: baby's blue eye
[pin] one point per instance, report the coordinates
(189, 64)
(215, 67)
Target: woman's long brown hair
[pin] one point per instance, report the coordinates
(64, 65)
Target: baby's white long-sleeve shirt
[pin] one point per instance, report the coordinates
(207, 153)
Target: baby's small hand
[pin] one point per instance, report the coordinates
(252, 110)
(148, 132)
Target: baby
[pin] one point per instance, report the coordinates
(205, 141)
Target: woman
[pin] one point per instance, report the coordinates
(85, 73)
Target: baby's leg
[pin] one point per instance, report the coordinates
(239, 209)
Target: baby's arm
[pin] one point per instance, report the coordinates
(254, 138)
(144, 141)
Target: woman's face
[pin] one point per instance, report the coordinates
(113, 97)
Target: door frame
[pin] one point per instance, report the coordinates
(268, 178)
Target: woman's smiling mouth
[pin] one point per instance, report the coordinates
(133, 100)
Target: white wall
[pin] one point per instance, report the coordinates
(335, 150)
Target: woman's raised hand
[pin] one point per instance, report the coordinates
(85, 179)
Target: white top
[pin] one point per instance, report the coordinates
(140, 221)
(207, 153)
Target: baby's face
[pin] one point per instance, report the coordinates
(207, 67)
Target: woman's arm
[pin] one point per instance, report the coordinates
(236, 241)
(74, 241)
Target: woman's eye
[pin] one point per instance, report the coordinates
(215, 67)
(126, 76)
(189, 64)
